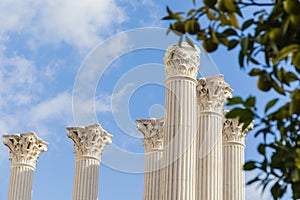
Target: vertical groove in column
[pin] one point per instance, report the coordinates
(234, 151)
(233, 182)
(86, 179)
(24, 152)
(180, 130)
(89, 142)
(209, 157)
(21, 180)
(211, 94)
(152, 130)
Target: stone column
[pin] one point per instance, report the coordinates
(152, 130)
(179, 158)
(233, 160)
(211, 93)
(24, 153)
(89, 142)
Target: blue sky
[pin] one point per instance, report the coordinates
(54, 53)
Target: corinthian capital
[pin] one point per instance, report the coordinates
(212, 92)
(232, 130)
(24, 148)
(89, 141)
(152, 130)
(182, 60)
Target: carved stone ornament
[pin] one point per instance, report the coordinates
(152, 130)
(182, 60)
(212, 92)
(232, 130)
(89, 140)
(24, 148)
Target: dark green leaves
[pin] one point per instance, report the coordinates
(270, 104)
(268, 43)
(250, 165)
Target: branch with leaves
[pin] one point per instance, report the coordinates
(267, 36)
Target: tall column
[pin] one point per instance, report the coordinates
(24, 153)
(89, 142)
(233, 160)
(211, 93)
(179, 157)
(152, 130)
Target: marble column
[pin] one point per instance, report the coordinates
(233, 159)
(211, 94)
(152, 130)
(24, 153)
(89, 142)
(179, 154)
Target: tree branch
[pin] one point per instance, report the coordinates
(255, 4)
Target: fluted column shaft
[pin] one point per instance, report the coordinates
(152, 183)
(179, 158)
(89, 142)
(233, 160)
(234, 177)
(86, 179)
(211, 92)
(152, 130)
(20, 184)
(24, 152)
(209, 156)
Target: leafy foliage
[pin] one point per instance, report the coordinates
(267, 36)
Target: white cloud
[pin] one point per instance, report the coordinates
(17, 77)
(77, 23)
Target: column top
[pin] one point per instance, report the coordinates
(232, 130)
(182, 60)
(212, 92)
(152, 130)
(24, 148)
(89, 141)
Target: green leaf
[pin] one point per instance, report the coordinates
(253, 181)
(229, 5)
(232, 44)
(244, 115)
(214, 35)
(270, 104)
(229, 32)
(250, 165)
(246, 124)
(284, 52)
(210, 15)
(233, 20)
(261, 149)
(255, 72)
(224, 20)
(192, 11)
(247, 23)
(169, 11)
(277, 88)
(250, 102)
(234, 101)
(276, 191)
(241, 59)
(290, 77)
(189, 41)
(244, 43)
(295, 175)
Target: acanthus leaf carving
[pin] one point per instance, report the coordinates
(212, 92)
(182, 60)
(89, 140)
(24, 148)
(152, 130)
